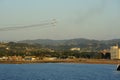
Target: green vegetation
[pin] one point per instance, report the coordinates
(23, 49)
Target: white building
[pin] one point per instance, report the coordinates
(115, 52)
(75, 49)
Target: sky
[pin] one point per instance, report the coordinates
(91, 19)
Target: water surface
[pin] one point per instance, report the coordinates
(58, 71)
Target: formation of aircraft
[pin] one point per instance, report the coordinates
(52, 22)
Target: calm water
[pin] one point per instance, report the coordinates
(58, 71)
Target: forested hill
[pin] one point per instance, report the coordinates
(79, 42)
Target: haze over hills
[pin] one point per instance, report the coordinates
(58, 42)
(78, 42)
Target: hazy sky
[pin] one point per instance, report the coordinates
(91, 19)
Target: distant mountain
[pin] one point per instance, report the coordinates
(59, 42)
(79, 42)
(43, 41)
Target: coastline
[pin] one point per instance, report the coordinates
(86, 61)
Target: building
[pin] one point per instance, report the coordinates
(49, 58)
(75, 49)
(30, 58)
(115, 52)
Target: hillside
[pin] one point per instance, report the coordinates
(79, 42)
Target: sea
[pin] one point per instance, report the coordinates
(58, 71)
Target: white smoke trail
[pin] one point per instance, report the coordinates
(29, 26)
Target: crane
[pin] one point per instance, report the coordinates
(52, 22)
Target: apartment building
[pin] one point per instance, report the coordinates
(115, 52)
